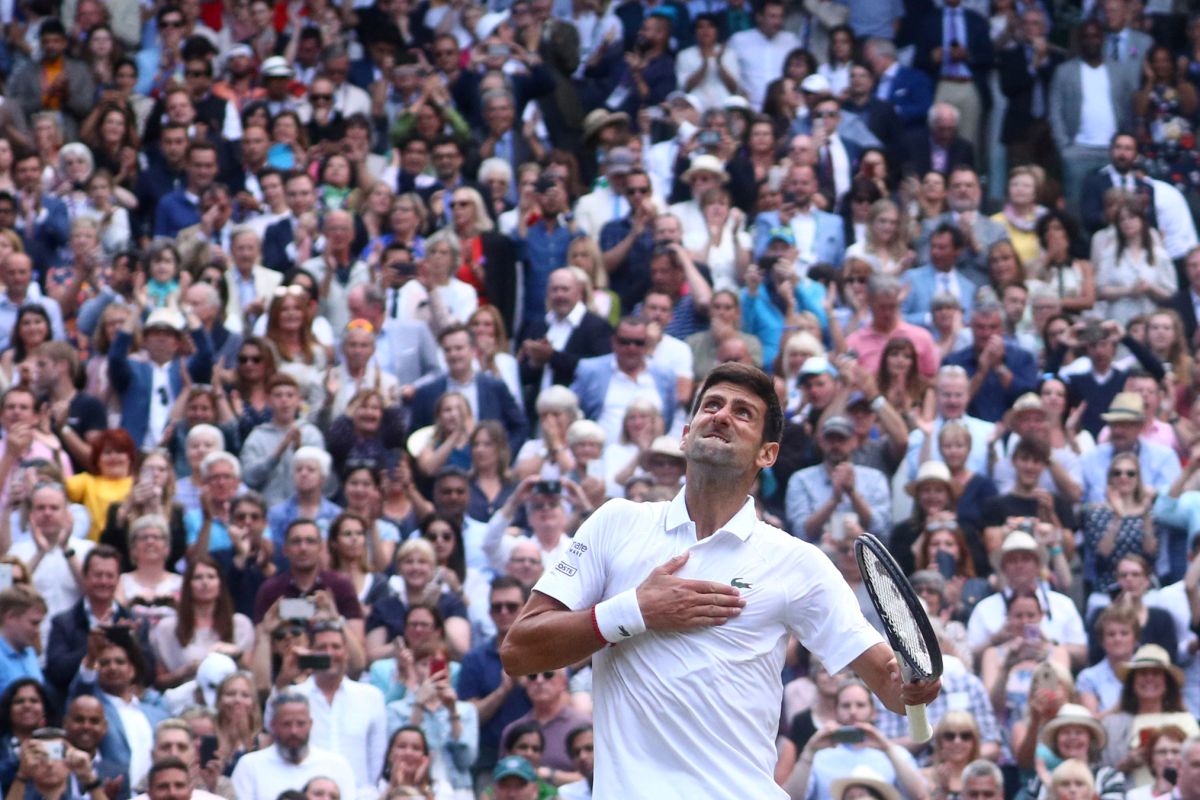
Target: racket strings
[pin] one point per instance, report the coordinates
(897, 615)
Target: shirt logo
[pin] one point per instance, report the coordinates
(566, 569)
(624, 632)
(738, 583)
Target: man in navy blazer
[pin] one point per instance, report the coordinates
(556, 342)
(147, 398)
(67, 643)
(908, 90)
(605, 385)
(939, 275)
(277, 253)
(488, 397)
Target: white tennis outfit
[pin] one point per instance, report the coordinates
(695, 714)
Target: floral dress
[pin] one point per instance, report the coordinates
(1169, 141)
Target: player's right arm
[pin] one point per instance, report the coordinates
(549, 635)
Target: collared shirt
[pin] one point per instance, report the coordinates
(962, 690)
(650, 690)
(977, 459)
(761, 59)
(1159, 465)
(1060, 621)
(33, 296)
(993, 399)
(558, 331)
(264, 774)
(622, 389)
(480, 675)
(543, 251)
(354, 724)
(954, 32)
(138, 733)
(16, 664)
(884, 90)
(469, 390)
(810, 487)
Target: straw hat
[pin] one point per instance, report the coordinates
(1073, 714)
(934, 472)
(705, 163)
(600, 119)
(864, 776)
(1126, 407)
(1150, 656)
(1018, 542)
(662, 446)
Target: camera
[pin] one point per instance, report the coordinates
(548, 487)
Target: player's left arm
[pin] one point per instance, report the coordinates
(878, 668)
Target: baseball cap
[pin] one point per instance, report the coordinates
(817, 365)
(276, 67)
(816, 84)
(620, 160)
(165, 318)
(838, 426)
(514, 766)
(215, 668)
(783, 234)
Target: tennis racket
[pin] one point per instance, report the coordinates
(905, 622)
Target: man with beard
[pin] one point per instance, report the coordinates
(289, 763)
(720, 566)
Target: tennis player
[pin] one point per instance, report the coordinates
(697, 597)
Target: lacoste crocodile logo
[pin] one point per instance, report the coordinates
(624, 632)
(738, 583)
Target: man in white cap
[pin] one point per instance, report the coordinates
(1020, 561)
(705, 172)
(606, 203)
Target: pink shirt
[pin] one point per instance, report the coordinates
(870, 343)
(1158, 432)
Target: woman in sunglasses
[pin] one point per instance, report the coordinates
(1122, 525)
(248, 394)
(955, 744)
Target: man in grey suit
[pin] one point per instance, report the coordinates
(980, 232)
(1090, 101)
(1124, 46)
(72, 90)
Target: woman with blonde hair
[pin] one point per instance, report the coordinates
(112, 320)
(1072, 780)
(1022, 211)
(956, 743)
(239, 720)
(557, 408)
(415, 583)
(623, 458)
(487, 261)
(491, 478)
(796, 348)
(447, 440)
(1166, 339)
(584, 253)
(292, 343)
(443, 253)
(885, 247)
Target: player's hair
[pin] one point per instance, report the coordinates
(758, 383)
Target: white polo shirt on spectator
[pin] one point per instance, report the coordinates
(264, 775)
(662, 699)
(1060, 619)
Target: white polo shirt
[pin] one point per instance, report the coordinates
(695, 714)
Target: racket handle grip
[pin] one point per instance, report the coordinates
(918, 724)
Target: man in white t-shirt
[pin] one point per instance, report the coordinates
(290, 762)
(702, 636)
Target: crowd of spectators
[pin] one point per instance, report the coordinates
(324, 326)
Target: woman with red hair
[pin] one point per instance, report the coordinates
(109, 478)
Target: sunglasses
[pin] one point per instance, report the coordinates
(510, 608)
(856, 279)
(637, 190)
(962, 736)
(546, 676)
(166, 24)
(195, 73)
(1123, 473)
(250, 359)
(284, 633)
(826, 114)
(320, 98)
(247, 516)
(625, 341)
(543, 506)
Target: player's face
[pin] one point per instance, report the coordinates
(727, 430)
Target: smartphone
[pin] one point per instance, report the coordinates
(54, 750)
(656, 112)
(837, 526)
(1032, 633)
(6, 579)
(437, 664)
(947, 564)
(548, 487)
(498, 51)
(297, 608)
(709, 138)
(848, 734)
(1170, 775)
(317, 661)
(208, 749)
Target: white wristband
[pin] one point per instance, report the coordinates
(620, 618)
